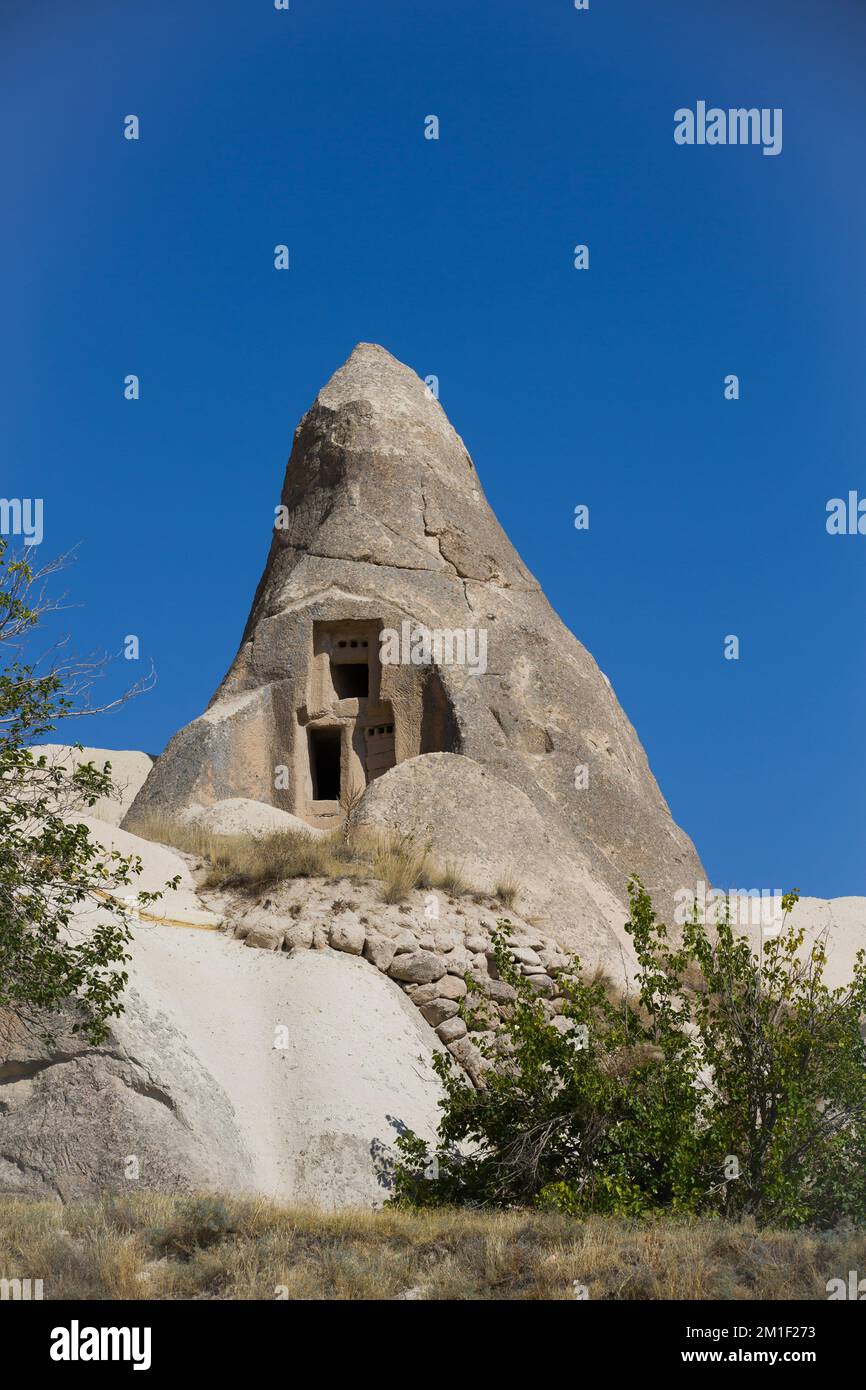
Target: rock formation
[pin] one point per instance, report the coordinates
(397, 648)
(383, 542)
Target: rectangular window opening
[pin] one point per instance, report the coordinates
(325, 763)
(351, 680)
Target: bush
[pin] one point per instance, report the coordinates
(728, 1083)
(63, 925)
(198, 1223)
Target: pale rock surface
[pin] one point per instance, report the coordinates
(467, 811)
(286, 1075)
(129, 772)
(239, 815)
(839, 922)
(74, 1118)
(386, 521)
(160, 865)
(320, 1114)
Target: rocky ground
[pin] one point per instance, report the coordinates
(277, 1038)
(428, 945)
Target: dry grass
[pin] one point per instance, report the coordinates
(506, 889)
(150, 1246)
(451, 879)
(402, 865)
(259, 861)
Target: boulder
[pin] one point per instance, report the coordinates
(265, 938)
(500, 991)
(417, 967)
(524, 956)
(347, 934)
(380, 950)
(542, 985)
(405, 940)
(451, 1030)
(457, 801)
(451, 987)
(473, 1062)
(298, 936)
(239, 815)
(438, 1010)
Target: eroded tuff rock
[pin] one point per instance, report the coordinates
(495, 833)
(384, 522)
(137, 1110)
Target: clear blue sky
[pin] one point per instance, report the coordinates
(604, 387)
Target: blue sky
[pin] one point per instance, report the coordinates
(602, 387)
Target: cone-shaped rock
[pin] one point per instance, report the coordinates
(384, 529)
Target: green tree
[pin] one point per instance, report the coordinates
(782, 1072)
(64, 899)
(726, 1080)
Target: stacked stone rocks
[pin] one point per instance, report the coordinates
(431, 967)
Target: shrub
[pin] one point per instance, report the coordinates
(451, 879)
(63, 926)
(729, 1082)
(197, 1224)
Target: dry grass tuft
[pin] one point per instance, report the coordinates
(506, 889)
(152, 1246)
(451, 879)
(402, 865)
(259, 861)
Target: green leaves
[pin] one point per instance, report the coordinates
(63, 934)
(729, 1081)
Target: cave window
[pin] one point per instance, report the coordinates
(350, 679)
(325, 764)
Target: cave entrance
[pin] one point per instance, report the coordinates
(325, 763)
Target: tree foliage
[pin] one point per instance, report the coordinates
(728, 1080)
(64, 899)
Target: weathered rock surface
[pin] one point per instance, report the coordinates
(139, 1110)
(385, 521)
(129, 772)
(287, 1075)
(240, 816)
(465, 809)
